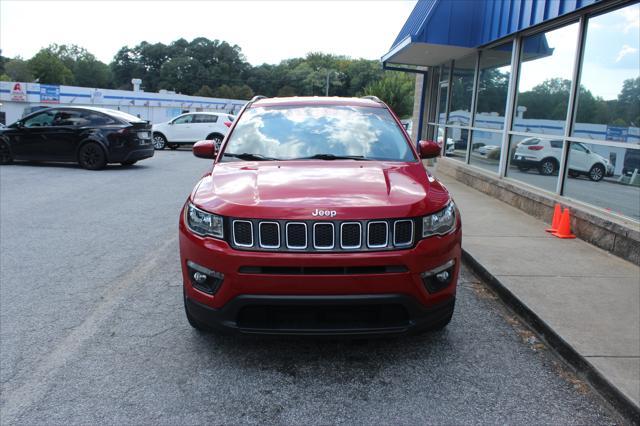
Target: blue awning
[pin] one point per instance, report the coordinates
(441, 30)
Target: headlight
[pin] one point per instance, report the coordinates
(440, 223)
(203, 223)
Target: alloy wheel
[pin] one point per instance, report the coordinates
(158, 142)
(596, 173)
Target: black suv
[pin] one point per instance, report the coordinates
(92, 137)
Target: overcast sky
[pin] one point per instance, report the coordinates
(267, 31)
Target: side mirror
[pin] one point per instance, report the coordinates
(170, 123)
(429, 149)
(205, 149)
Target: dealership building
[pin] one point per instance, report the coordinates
(20, 98)
(532, 99)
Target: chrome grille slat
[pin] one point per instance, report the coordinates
(343, 232)
(321, 232)
(323, 235)
(403, 241)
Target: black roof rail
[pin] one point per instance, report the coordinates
(372, 98)
(257, 98)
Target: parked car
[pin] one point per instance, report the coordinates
(92, 137)
(544, 155)
(489, 151)
(311, 225)
(451, 146)
(631, 162)
(190, 128)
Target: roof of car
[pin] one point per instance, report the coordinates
(317, 100)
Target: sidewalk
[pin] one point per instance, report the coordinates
(587, 297)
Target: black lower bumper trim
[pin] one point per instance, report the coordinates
(350, 315)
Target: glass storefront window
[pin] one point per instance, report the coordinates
(493, 84)
(456, 142)
(462, 90)
(485, 149)
(546, 68)
(608, 104)
(605, 176)
(442, 102)
(535, 161)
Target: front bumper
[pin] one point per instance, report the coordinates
(319, 303)
(346, 315)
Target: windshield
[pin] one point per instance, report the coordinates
(323, 132)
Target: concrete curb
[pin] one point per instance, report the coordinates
(612, 395)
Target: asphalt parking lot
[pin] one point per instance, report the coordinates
(92, 329)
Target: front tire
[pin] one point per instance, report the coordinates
(159, 141)
(548, 167)
(5, 153)
(596, 173)
(92, 157)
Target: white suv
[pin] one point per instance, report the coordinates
(190, 128)
(544, 155)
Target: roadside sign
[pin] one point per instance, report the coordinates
(49, 94)
(616, 133)
(19, 92)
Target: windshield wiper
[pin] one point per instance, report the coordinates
(250, 157)
(333, 157)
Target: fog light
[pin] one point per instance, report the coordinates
(437, 279)
(443, 276)
(204, 279)
(199, 277)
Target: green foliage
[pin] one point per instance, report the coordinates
(204, 91)
(396, 90)
(49, 68)
(87, 70)
(18, 70)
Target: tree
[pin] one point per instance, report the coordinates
(87, 70)
(18, 70)
(205, 91)
(628, 107)
(49, 69)
(285, 91)
(224, 91)
(396, 90)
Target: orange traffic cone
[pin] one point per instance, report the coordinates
(564, 229)
(557, 212)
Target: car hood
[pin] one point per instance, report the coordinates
(296, 189)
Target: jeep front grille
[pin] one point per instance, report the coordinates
(322, 236)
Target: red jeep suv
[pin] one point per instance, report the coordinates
(318, 217)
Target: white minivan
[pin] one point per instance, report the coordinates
(190, 128)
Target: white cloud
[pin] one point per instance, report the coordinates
(626, 50)
(632, 18)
